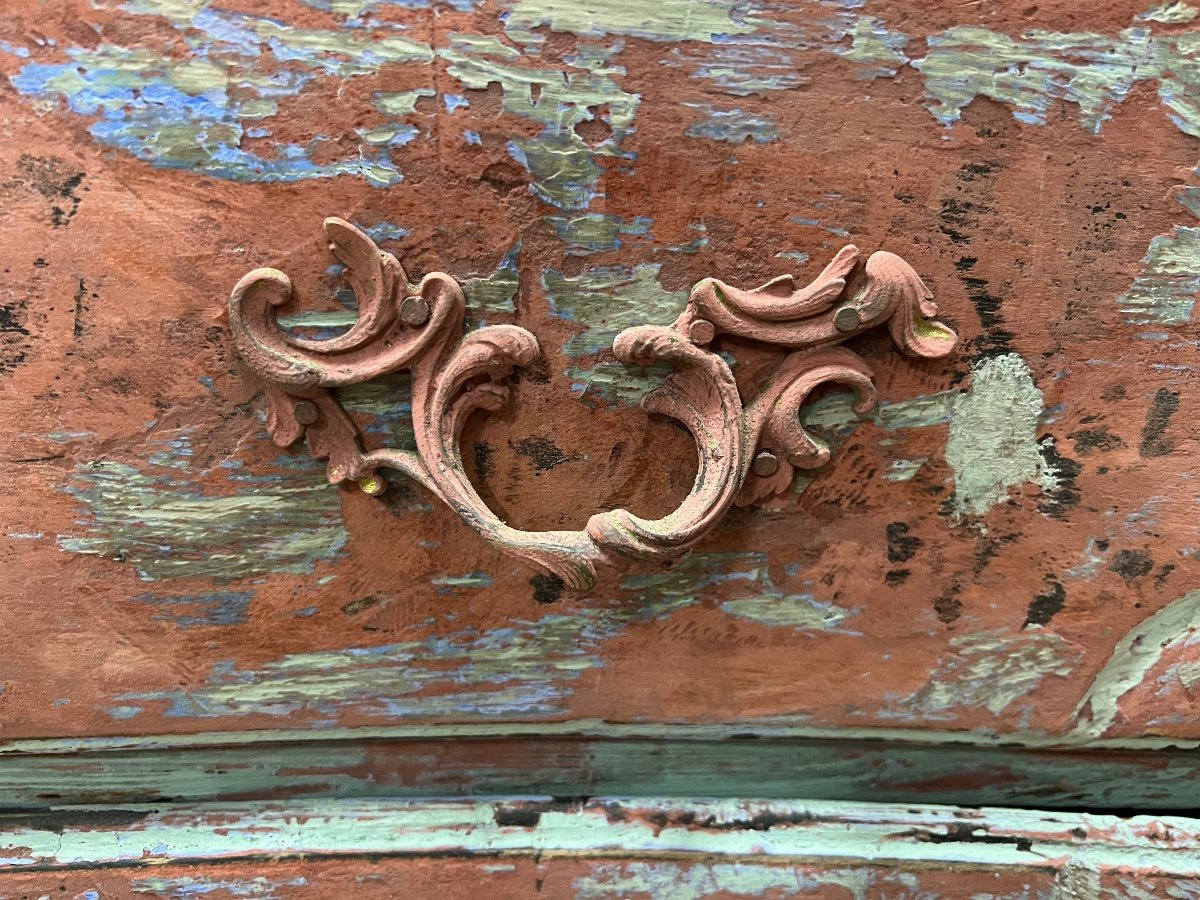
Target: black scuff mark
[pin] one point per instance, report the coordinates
(965, 833)
(55, 180)
(14, 347)
(547, 588)
(1090, 439)
(1047, 605)
(80, 308)
(901, 545)
(1132, 564)
(483, 459)
(1162, 408)
(544, 453)
(1058, 501)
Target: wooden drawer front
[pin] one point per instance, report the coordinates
(1007, 545)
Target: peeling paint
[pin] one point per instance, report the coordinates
(733, 126)
(587, 233)
(802, 612)
(1164, 292)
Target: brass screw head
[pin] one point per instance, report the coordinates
(414, 311)
(846, 319)
(765, 464)
(701, 332)
(306, 412)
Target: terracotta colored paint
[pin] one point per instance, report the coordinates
(1002, 555)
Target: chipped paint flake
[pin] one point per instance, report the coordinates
(1164, 292)
(609, 881)
(733, 126)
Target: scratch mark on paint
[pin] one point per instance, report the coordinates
(1133, 657)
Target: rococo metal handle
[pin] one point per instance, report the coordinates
(419, 327)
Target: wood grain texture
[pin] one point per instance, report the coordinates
(1007, 545)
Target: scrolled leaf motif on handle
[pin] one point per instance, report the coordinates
(746, 452)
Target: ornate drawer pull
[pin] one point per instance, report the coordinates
(419, 327)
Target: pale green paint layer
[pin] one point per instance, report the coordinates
(992, 670)
(170, 520)
(748, 879)
(992, 442)
(800, 611)
(1164, 292)
(1140, 650)
(1173, 12)
(665, 20)
(814, 831)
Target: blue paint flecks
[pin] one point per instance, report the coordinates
(216, 608)
(734, 126)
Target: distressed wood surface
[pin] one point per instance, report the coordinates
(605, 848)
(1007, 546)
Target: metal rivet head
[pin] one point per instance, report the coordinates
(701, 332)
(306, 412)
(414, 311)
(846, 319)
(765, 464)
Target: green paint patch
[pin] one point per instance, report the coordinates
(564, 166)
(607, 300)
(802, 612)
(1038, 69)
(992, 443)
(666, 20)
(401, 103)
(1140, 650)
(1164, 292)
(992, 670)
(169, 520)
(587, 233)
(878, 50)
(495, 294)
(1173, 12)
